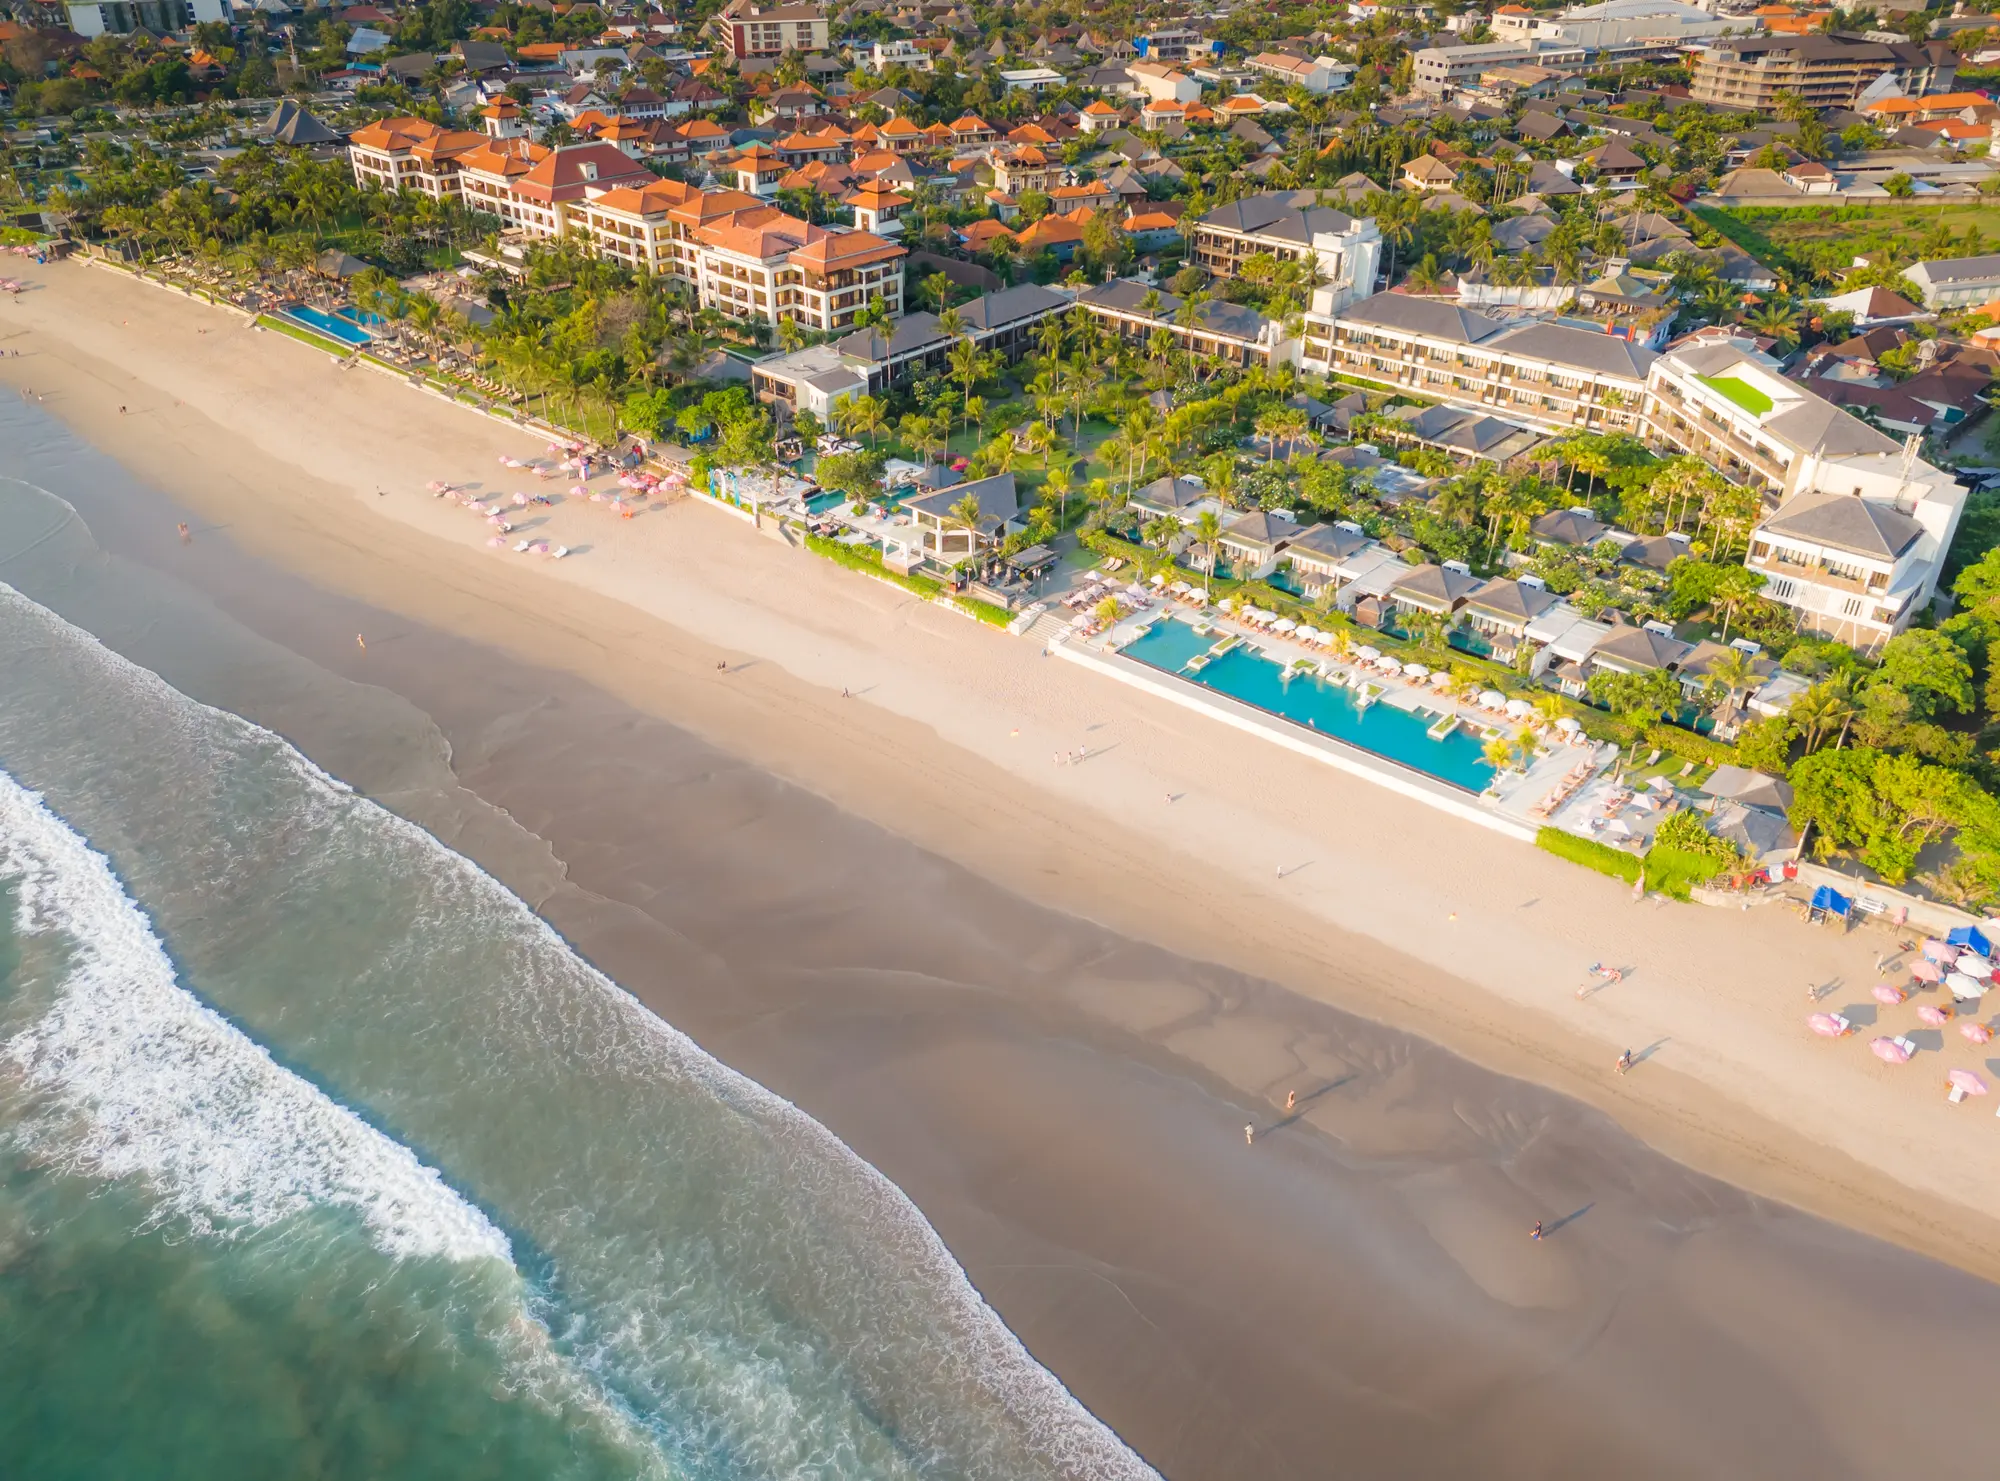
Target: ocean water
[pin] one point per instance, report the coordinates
(322, 1156)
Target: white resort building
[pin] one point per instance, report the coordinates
(1856, 525)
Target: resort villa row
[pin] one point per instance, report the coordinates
(1511, 618)
(744, 257)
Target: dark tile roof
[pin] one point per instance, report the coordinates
(1846, 522)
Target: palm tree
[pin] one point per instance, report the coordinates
(1728, 675)
(965, 515)
(1207, 532)
(1820, 709)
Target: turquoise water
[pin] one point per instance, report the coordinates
(361, 317)
(322, 1156)
(331, 325)
(1393, 734)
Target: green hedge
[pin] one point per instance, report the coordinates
(1691, 747)
(869, 559)
(1589, 853)
(984, 611)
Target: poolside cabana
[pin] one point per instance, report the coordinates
(1317, 552)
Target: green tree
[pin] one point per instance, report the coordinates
(856, 474)
(1930, 669)
(1640, 700)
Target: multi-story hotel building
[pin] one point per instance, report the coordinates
(1855, 526)
(1828, 71)
(1233, 332)
(742, 255)
(410, 154)
(1529, 370)
(743, 28)
(1290, 227)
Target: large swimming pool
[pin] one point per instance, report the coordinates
(331, 325)
(1314, 704)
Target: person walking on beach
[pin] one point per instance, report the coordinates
(1291, 1100)
(361, 642)
(1249, 1136)
(1625, 1061)
(1536, 1232)
(186, 537)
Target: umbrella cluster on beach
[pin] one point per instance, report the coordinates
(1965, 969)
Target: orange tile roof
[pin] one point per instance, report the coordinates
(504, 157)
(1151, 221)
(705, 206)
(972, 123)
(762, 232)
(544, 51)
(655, 199)
(980, 233)
(1031, 133)
(1028, 156)
(1102, 109)
(590, 121)
(898, 127)
(701, 128)
(1051, 231)
(846, 249)
(875, 195)
(869, 164)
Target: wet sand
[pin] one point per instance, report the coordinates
(1355, 1295)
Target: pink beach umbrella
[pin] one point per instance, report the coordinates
(1886, 992)
(498, 542)
(1935, 1016)
(1890, 1051)
(1939, 951)
(1927, 971)
(1977, 1032)
(1825, 1025)
(520, 501)
(1965, 1080)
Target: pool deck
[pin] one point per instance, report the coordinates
(1508, 812)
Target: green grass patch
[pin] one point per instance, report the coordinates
(305, 336)
(986, 612)
(1741, 392)
(20, 236)
(1590, 853)
(1675, 872)
(1826, 239)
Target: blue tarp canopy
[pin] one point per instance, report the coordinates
(1828, 898)
(1970, 936)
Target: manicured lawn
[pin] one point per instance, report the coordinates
(1742, 393)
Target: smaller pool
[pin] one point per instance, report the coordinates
(820, 503)
(362, 317)
(331, 325)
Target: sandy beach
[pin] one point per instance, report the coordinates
(1045, 999)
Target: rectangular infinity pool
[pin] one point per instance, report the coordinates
(331, 325)
(1313, 704)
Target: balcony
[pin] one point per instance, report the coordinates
(1779, 565)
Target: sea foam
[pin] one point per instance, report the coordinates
(170, 1090)
(136, 1078)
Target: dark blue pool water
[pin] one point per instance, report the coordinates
(1312, 703)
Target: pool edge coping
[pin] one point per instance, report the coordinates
(1334, 752)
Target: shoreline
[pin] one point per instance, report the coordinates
(940, 776)
(1502, 1024)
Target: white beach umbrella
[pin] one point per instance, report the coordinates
(1516, 708)
(1492, 699)
(1285, 625)
(1367, 654)
(1963, 986)
(1973, 965)
(1441, 680)
(1390, 666)
(1416, 670)
(1569, 725)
